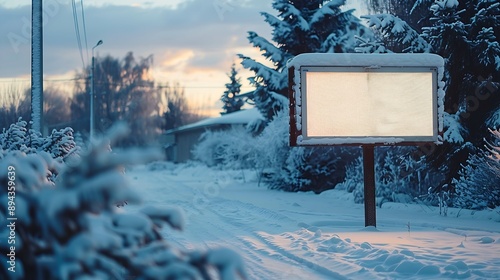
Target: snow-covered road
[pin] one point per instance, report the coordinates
(306, 236)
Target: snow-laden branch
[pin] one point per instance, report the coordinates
(331, 8)
(275, 80)
(397, 29)
(271, 52)
(289, 11)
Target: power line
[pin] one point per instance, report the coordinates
(15, 81)
(77, 31)
(102, 83)
(45, 80)
(85, 31)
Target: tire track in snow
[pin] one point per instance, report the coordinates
(217, 232)
(212, 234)
(258, 259)
(236, 218)
(250, 212)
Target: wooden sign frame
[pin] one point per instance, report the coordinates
(419, 111)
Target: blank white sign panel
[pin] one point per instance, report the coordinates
(378, 104)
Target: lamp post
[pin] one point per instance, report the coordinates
(37, 65)
(92, 92)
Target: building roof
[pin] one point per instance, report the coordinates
(239, 117)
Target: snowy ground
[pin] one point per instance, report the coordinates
(306, 236)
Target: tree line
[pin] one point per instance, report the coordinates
(124, 90)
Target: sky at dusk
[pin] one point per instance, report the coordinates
(193, 42)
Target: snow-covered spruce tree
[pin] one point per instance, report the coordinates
(478, 186)
(300, 27)
(466, 34)
(70, 228)
(303, 26)
(231, 101)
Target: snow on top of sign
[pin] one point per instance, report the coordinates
(361, 59)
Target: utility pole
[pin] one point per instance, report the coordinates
(36, 65)
(92, 92)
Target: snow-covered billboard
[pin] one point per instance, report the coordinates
(339, 99)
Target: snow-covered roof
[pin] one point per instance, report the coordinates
(239, 117)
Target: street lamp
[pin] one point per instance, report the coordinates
(92, 92)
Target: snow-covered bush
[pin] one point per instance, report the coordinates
(310, 169)
(14, 138)
(59, 144)
(398, 176)
(239, 148)
(229, 149)
(478, 186)
(272, 144)
(69, 228)
(290, 169)
(299, 168)
(353, 176)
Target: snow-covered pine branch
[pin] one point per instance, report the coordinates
(14, 138)
(454, 132)
(371, 46)
(270, 51)
(289, 11)
(420, 3)
(264, 75)
(487, 48)
(60, 143)
(397, 30)
(331, 8)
